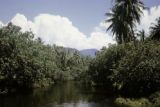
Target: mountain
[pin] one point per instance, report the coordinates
(72, 50)
(89, 52)
(85, 52)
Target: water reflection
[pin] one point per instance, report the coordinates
(60, 95)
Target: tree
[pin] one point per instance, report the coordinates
(26, 62)
(123, 18)
(141, 34)
(155, 30)
(138, 71)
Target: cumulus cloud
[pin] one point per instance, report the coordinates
(149, 17)
(1, 24)
(23, 22)
(54, 29)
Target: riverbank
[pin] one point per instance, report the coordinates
(152, 101)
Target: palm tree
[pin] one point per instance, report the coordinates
(141, 34)
(155, 30)
(123, 18)
(118, 26)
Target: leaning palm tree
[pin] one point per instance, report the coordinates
(123, 18)
(155, 30)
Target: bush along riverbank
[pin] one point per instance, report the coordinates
(152, 101)
(132, 71)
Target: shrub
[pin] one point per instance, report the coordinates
(138, 72)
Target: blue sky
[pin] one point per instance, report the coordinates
(85, 14)
(70, 23)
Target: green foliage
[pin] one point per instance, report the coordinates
(139, 69)
(123, 18)
(131, 69)
(25, 62)
(126, 102)
(155, 30)
(101, 67)
(155, 99)
(152, 101)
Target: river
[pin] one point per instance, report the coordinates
(68, 94)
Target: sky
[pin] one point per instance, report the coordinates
(70, 23)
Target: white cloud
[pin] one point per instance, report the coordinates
(54, 29)
(21, 20)
(149, 17)
(1, 24)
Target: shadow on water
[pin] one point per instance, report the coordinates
(68, 94)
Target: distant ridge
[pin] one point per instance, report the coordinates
(89, 52)
(84, 52)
